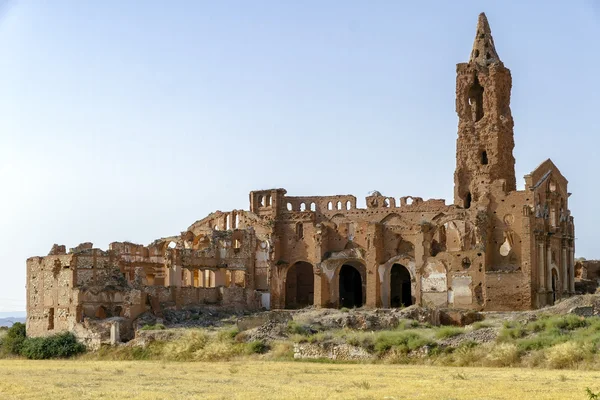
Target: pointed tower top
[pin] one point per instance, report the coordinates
(484, 51)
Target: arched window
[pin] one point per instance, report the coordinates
(476, 100)
(299, 230)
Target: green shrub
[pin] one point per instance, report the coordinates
(480, 325)
(257, 347)
(155, 327)
(512, 331)
(403, 341)
(12, 341)
(446, 332)
(61, 345)
(294, 327)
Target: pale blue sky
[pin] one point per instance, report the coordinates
(129, 120)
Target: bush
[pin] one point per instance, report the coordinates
(403, 341)
(61, 345)
(503, 355)
(257, 347)
(12, 341)
(294, 327)
(565, 355)
(512, 331)
(156, 327)
(480, 325)
(446, 332)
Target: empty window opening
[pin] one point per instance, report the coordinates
(339, 205)
(313, 207)
(466, 263)
(299, 230)
(172, 245)
(468, 200)
(330, 206)
(299, 286)
(237, 221)
(51, 318)
(268, 200)
(476, 100)
(409, 201)
(227, 222)
(350, 287)
(400, 289)
(484, 158)
(386, 203)
(289, 206)
(302, 207)
(237, 244)
(261, 201)
(348, 205)
(150, 279)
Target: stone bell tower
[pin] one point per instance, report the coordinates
(485, 128)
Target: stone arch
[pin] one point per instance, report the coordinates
(299, 285)
(394, 219)
(349, 283)
(385, 279)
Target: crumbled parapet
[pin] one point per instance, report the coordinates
(57, 250)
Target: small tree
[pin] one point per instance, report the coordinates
(12, 342)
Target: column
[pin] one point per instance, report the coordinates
(565, 269)
(548, 266)
(220, 277)
(541, 268)
(572, 270)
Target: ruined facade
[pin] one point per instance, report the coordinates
(494, 248)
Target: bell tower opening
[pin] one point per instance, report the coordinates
(476, 100)
(468, 201)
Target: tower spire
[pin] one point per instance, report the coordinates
(484, 52)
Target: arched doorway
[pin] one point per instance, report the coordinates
(554, 285)
(400, 289)
(351, 293)
(299, 285)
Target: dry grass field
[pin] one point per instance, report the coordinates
(76, 379)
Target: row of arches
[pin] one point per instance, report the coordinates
(300, 286)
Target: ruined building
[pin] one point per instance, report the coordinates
(493, 248)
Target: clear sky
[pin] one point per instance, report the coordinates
(130, 120)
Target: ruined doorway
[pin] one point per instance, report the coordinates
(400, 289)
(300, 285)
(351, 293)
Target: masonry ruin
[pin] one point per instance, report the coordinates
(494, 248)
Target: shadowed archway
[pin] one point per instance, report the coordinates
(400, 289)
(351, 287)
(300, 285)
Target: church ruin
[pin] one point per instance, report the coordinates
(493, 248)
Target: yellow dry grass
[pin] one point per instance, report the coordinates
(77, 379)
